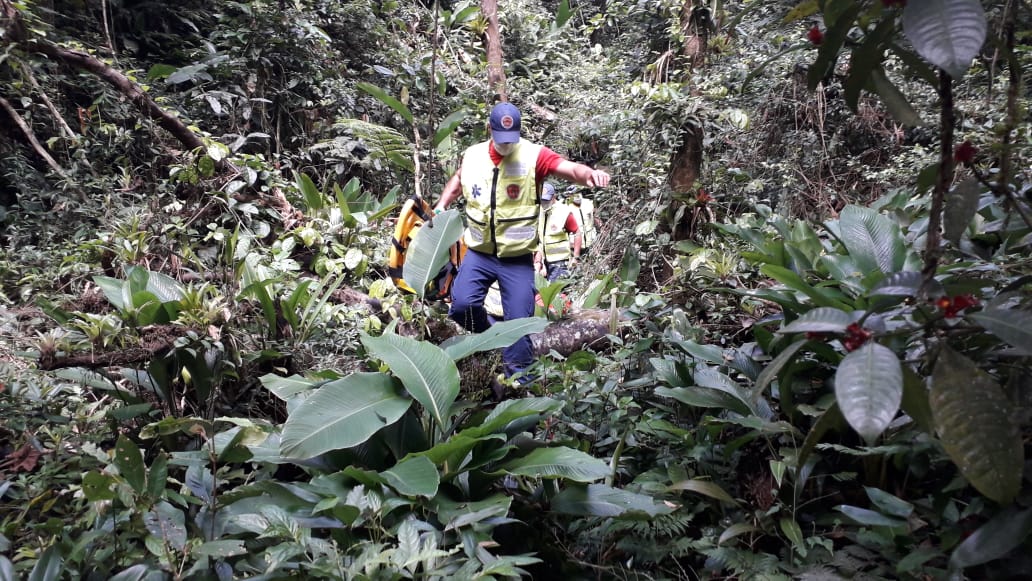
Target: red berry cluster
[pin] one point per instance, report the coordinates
(815, 35)
(702, 197)
(952, 306)
(891, 3)
(965, 153)
(855, 337)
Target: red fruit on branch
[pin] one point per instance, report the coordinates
(952, 306)
(965, 153)
(815, 35)
(892, 3)
(855, 337)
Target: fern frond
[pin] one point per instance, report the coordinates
(383, 145)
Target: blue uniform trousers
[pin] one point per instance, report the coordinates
(515, 277)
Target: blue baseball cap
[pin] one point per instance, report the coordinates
(548, 192)
(505, 123)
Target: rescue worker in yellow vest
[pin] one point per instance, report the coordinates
(500, 180)
(584, 210)
(558, 226)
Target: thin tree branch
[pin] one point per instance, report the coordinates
(62, 125)
(31, 137)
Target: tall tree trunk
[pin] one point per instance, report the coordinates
(493, 42)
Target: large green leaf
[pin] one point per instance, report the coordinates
(429, 250)
(604, 501)
(129, 460)
(1001, 535)
(416, 476)
(974, 419)
(561, 462)
(947, 33)
(703, 487)
(49, 567)
(706, 398)
(961, 206)
(448, 126)
(498, 336)
(386, 99)
(869, 388)
(792, 280)
(873, 240)
(341, 414)
(164, 287)
(820, 320)
(1011, 325)
(167, 523)
(427, 372)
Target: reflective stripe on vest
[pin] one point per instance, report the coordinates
(555, 243)
(501, 202)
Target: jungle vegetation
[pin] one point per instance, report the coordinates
(811, 297)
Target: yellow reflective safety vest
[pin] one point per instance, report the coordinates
(584, 212)
(501, 201)
(554, 240)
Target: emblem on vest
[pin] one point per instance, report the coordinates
(513, 191)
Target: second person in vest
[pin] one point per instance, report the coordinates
(500, 179)
(560, 237)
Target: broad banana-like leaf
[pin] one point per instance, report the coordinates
(869, 389)
(448, 126)
(820, 320)
(416, 476)
(386, 99)
(1001, 535)
(287, 387)
(961, 206)
(873, 240)
(428, 252)
(703, 487)
(498, 336)
(889, 504)
(605, 501)
(342, 414)
(561, 462)
(947, 33)
(974, 419)
(49, 567)
(705, 397)
(426, 371)
(1011, 325)
(822, 297)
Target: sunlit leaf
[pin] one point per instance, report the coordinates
(129, 460)
(869, 388)
(416, 476)
(604, 501)
(560, 462)
(386, 99)
(703, 487)
(974, 419)
(869, 517)
(341, 414)
(429, 250)
(500, 335)
(426, 371)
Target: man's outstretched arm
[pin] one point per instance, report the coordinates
(582, 174)
(451, 192)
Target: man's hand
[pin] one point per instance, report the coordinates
(597, 179)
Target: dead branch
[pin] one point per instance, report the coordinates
(61, 123)
(31, 137)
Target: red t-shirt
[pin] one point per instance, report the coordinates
(547, 161)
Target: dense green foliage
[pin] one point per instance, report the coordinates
(206, 372)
